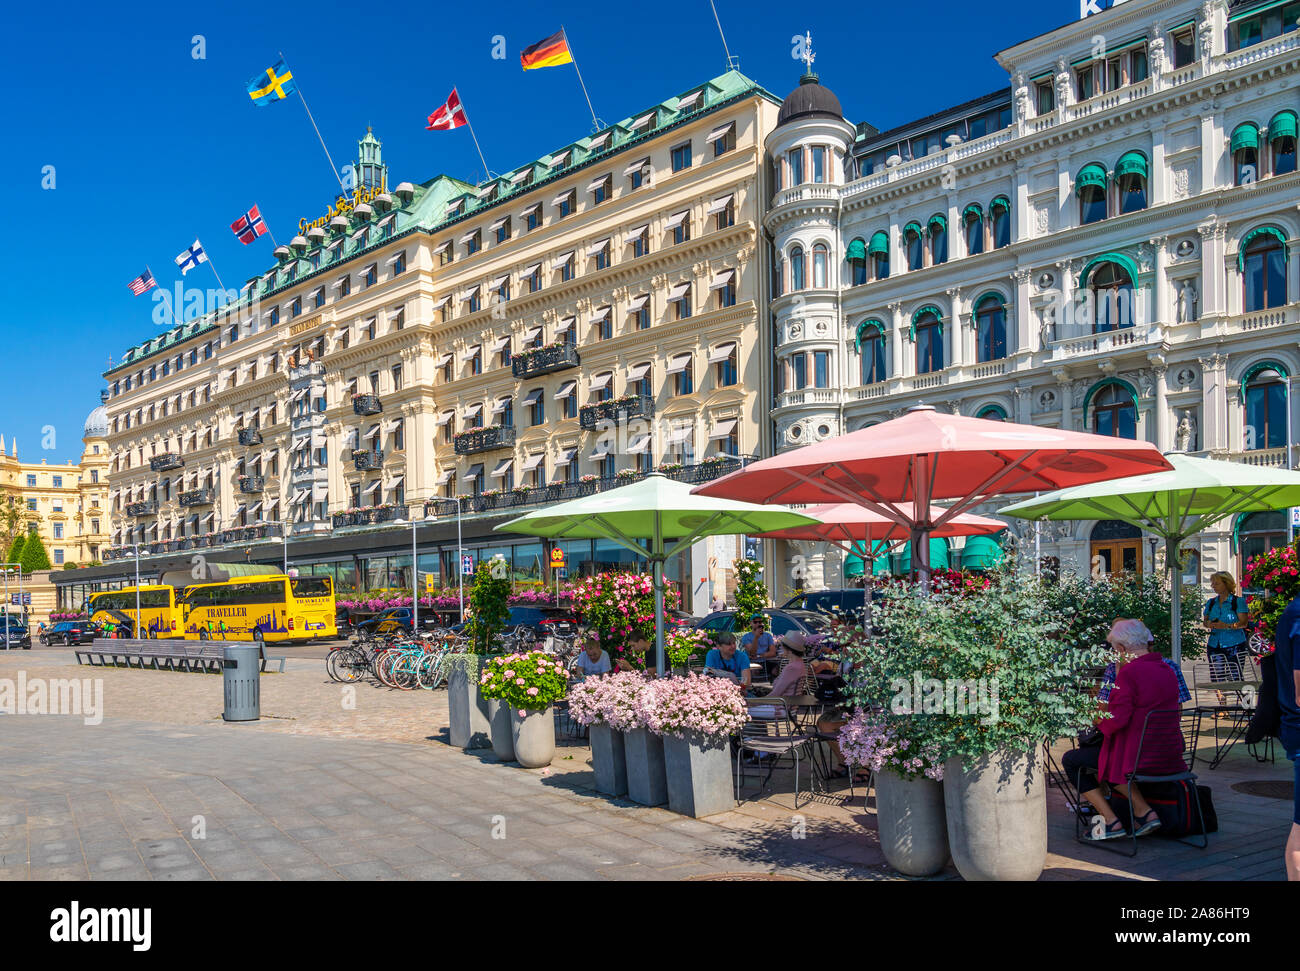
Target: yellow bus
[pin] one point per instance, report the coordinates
(159, 616)
(272, 607)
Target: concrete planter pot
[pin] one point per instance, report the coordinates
(467, 711)
(533, 736)
(912, 823)
(608, 759)
(503, 741)
(646, 781)
(698, 771)
(997, 815)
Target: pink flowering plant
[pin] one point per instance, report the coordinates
(622, 700)
(526, 682)
(1276, 575)
(683, 643)
(620, 607)
(865, 741)
(694, 707)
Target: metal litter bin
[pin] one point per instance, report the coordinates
(241, 678)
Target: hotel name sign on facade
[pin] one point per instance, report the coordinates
(344, 205)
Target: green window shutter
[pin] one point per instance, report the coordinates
(879, 242)
(981, 553)
(865, 326)
(857, 251)
(938, 556)
(913, 227)
(1131, 163)
(1091, 174)
(1250, 236)
(1124, 261)
(1283, 125)
(1001, 202)
(972, 210)
(1123, 385)
(1256, 368)
(1245, 136)
(938, 220)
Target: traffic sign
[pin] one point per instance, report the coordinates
(557, 557)
(467, 564)
(1295, 516)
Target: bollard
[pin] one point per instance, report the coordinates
(241, 678)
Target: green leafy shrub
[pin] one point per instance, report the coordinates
(1088, 605)
(751, 591)
(488, 597)
(34, 556)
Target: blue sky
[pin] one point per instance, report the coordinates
(152, 147)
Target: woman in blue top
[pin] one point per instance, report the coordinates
(1226, 618)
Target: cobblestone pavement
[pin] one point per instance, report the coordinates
(358, 782)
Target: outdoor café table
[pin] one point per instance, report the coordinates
(1237, 718)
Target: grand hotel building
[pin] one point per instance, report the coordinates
(453, 351)
(1107, 243)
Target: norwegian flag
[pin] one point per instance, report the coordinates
(449, 116)
(143, 282)
(249, 226)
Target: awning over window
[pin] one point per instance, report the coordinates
(529, 271)
(532, 397)
(562, 197)
(560, 158)
(496, 283)
(1131, 163)
(1245, 136)
(597, 182)
(498, 224)
(207, 519)
(678, 292)
(722, 352)
(857, 250)
(562, 259)
(637, 372)
(1089, 175)
(689, 100)
(445, 417)
(373, 431)
(722, 429)
(468, 236)
(638, 122)
(396, 481)
(531, 334)
(442, 302)
(597, 246)
(566, 456)
(676, 220)
(679, 433)
(599, 381)
(500, 404)
(600, 451)
(637, 303)
(472, 473)
(635, 166)
(720, 132)
(598, 142)
(564, 325)
(938, 220)
(679, 363)
(299, 445)
(471, 352)
(566, 389)
(499, 345)
(530, 210)
(879, 243)
(533, 461)
(297, 497)
(445, 477)
(443, 361)
(442, 249)
(636, 234)
(720, 204)
(473, 411)
(502, 468)
(486, 190)
(470, 294)
(1283, 125)
(520, 176)
(602, 313)
(639, 444)
(721, 279)
(255, 508)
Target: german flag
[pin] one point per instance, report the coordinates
(551, 52)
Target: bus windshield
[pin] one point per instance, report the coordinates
(310, 586)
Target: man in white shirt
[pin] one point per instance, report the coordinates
(592, 660)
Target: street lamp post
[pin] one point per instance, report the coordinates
(20, 580)
(415, 570)
(460, 560)
(136, 632)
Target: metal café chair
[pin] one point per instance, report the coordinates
(770, 733)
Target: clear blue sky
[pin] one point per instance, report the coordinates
(152, 148)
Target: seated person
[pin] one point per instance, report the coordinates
(639, 649)
(759, 644)
(591, 660)
(1108, 676)
(1144, 684)
(787, 683)
(726, 661)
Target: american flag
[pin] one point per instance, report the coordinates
(143, 282)
(249, 226)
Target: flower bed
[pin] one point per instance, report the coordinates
(696, 706)
(620, 700)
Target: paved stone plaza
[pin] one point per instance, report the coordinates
(359, 783)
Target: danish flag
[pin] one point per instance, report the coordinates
(249, 226)
(450, 115)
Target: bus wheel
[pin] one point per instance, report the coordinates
(203, 636)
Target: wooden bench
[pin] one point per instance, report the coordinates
(172, 655)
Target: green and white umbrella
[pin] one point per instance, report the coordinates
(658, 509)
(1176, 504)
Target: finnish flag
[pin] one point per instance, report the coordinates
(191, 258)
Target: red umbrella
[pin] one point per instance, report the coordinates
(854, 529)
(926, 455)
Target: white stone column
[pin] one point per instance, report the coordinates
(957, 342)
(1212, 155)
(897, 338)
(1024, 315)
(1212, 282)
(1157, 189)
(1215, 430)
(1063, 389)
(1160, 373)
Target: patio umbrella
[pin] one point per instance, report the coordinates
(1176, 504)
(661, 510)
(924, 456)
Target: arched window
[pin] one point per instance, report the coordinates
(871, 349)
(915, 245)
(992, 413)
(878, 251)
(1262, 261)
(1111, 287)
(1090, 187)
(857, 260)
(1258, 533)
(1000, 215)
(927, 328)
(972, 218)
(990, 329)
(938, 240)
(796, 268)
(821, 259)
(1281, 142)
(1114, 412)
(1263, 391)
(1245, 154)
(1131, 182)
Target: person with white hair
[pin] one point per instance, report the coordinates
(1144, 684)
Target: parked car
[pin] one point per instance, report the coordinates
(393, 619)
(846, 602)
(70, 632)
(545, 621)
(18, 633)
(780, 622)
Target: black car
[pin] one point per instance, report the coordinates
(780, 622)
(69, 632)
(19, 635)
(846, 602)
(393, 620)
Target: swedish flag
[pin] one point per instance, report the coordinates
(273, 84)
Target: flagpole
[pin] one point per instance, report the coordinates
(594, 120)
(267, 223)
(298, 88)
(171, 310)
(214, 271)
(469, 124)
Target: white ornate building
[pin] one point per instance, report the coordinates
(1107, 245)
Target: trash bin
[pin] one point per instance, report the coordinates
(240, 677)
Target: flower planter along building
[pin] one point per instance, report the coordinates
(628, 262)
(1108, 245)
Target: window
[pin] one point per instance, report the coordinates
(604, 324)
(1245, 154)
(929, 341)
(272, 319)
(821, 369)
(1114, 412)
(681, 157)
(1262, 262)
(640, 313)
(506, 417)
(799, 371)
(397, 377)
(797, 278)
(1090, 187)
(1265, 398)
(601, 190)
(821, 261)
(58, 481)
(564, 205)
(474, 243)
(856, 255)
(1085, 82)
(1000, 215)
(642, 385)
(726, 216)
(566, 269)
(638, 175)
(446, 254)
(475, 301)
(58, 530)
(1112, 297)
(726, 375)
(319, 298)
(680, 298)
(871, 348)
(476, 361)
(1265, 25)
(794, 165)
(536, 407)
(399, 263)
(938, 240)
(371, 329)
(973, 225)
(914, 243)
(31, 504)
(569, 400)
(641, 243)
(600, 259)
(398, 318)
(684, 375)
(818, 164)
(503, 230)
(31, 481)
(58, 554)
(1184, 46)
(878, 253)
(372, 275)
(532, 218)
(295, 309)
(725, 288)
(345, 286)
(1131, 182)
(725, 142)
(992, 413)
(990, 329)
(602, 387)
(1044, 96)
(533, 281)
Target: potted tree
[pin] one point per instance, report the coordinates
(527, 686)
(696, 717)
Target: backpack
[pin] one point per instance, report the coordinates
(1173, 804)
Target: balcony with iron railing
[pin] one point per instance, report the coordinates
(148, 507)
(250, 436)
(616, 410)
(367, 460)
(484, 439)
(198, 497)
(545, 360)
(168, 460)
(366, 404)
(252, 484)
(367, 516)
